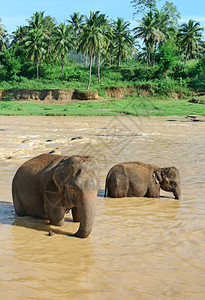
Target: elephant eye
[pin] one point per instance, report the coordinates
(172, 183)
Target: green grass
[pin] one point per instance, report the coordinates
(144, 106)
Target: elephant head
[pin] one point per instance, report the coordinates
(77, 180)
(169, 180)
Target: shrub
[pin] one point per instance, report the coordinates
(11, 65)
(178, 71)
(143, 73)
(165, 57)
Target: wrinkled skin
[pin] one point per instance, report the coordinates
(136, 179)
(48, 186)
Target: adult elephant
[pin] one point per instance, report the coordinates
(48, 186)
(137, 179)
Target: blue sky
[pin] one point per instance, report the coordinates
(14, 13)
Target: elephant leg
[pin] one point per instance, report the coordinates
(153, 192)
(118, 186)
(18, 205)
(119, 193)
(75, 215)
(55, 214)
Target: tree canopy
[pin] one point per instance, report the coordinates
(101, 41)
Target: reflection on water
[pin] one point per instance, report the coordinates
(139, 248)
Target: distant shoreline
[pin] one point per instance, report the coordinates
(102, 106)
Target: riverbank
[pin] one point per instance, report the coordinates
(136, 106)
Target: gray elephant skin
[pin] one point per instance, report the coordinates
(137, 179)
(49, 185)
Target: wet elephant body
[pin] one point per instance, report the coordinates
(48, 186)
(137, 179)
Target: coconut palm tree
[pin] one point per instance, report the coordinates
(164, 25)
(18, 42)
(35, 47)
(104, 23)
(37, 20)
(19, 35)
(63, 42)
(189, 38)
(148, 33)
(48, 26)
(93, 38)
(35, 40)
(76, 20)
(122, 37)
(155, 29)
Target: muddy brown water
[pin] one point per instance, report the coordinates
(139, 248)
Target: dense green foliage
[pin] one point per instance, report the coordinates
(45, 54)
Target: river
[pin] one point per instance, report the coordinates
(139, 248)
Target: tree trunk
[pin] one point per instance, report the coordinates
(110, 61)
(62, 69)
(147, 59)
(186, 58)
(90, 72)
(37, 69)
(86, 59)
(118, 56)
(118, 60)
(98, 67)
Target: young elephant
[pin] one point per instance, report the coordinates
(48, 186)
(137, 179)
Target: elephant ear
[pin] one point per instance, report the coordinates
(157, 174)
(58, 178)
(171, 172)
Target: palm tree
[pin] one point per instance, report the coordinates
(19, 35)
(48, 26)
(63, 42)
(189, 37)
(104, 42)
(37, 20)
(34, 41)
(110, 53)
(76, 20)
(164, 25)
(148, 33)
(35, 47)
(155, 29)
(93, 38)
(18, 42)
(122, 38)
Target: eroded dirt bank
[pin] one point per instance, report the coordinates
(68, 95)
(47, 95)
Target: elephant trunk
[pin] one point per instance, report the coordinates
(86, 209)
(177, 193)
